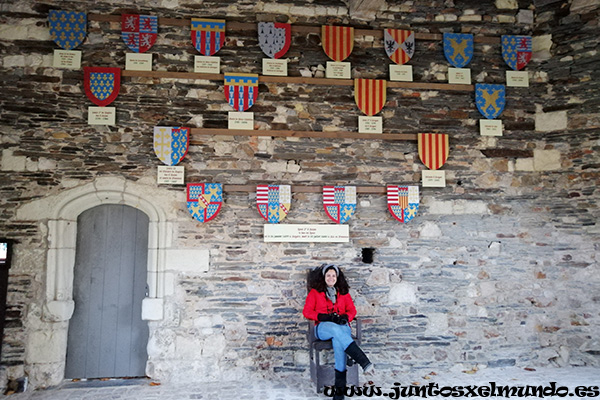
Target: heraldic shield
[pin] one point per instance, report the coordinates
(458, 48)
(516, 50)
(171, 143)
(139, 31)
(101, 84)
(403, 202)
(339, 202)
(399, 45)
(204, 200)
(337, 41)
(490, 99)
(67, 28)
(370, 95)
(208, 35)
(273, 202)
(274, 38)
(433, 149)
(241, 90)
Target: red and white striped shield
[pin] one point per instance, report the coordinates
(337, 41)
(370, 95)
(399, 45)
(403, 202)
(433, 149)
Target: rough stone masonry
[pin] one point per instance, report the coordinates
(499, 268)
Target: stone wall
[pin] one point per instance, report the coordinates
(499, 268)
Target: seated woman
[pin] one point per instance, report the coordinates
(331, 306)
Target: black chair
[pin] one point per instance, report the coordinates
(323, 374)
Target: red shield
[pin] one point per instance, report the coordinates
(433, 149)
(101, 84)
(337, 41)
(370, 95)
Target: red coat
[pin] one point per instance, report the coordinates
(318, 303)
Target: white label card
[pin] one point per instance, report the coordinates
(517, 78)
(138, 62)
(459, 76)
(403, 73)
(435, 178)
(306, 233)
(370, 124)
(207, 65)
(241, 120)
(275, 67)
(170, 175)
(490, 127)
(68, 59)
(102, 115)
(338, 70)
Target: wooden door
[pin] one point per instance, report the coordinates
(107, 336)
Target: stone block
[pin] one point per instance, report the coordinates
(551, 121)
(188, 261)
(46, 346)
(11, 162)
(546, 160)
(507, 4)
(401, 293)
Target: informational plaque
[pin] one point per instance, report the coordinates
(337, 233)
(459, 76)
(433, 178)
(490, 127)
(338, 70)
(241, 120)
(170, 175)
(102, 115)
(517, 78)
(68, 59)
(138, 61)
(207, 65)
(403, 73)
(370, 124)
(275, 67)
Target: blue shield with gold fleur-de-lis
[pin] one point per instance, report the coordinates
(490, 99)
(171, 143)
(101, 84)
(273, 202)
(241, 90)
(67, 28)
(403, 202)
(458, 48)
(339, 202)
(204, 200)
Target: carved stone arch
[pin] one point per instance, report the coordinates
(60, 213)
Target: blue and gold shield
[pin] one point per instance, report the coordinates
(208, 35)
(101, 84)
(241, 90)
(339, 202)
(273, 202)
(67, 28)
(171, 143)
(403, 202)
(516, 50)
(490, 99)
(204, 200)
(458, 48)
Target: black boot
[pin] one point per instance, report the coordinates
(360, 357)
(340, 385)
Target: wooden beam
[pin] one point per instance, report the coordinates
(299, 80)
(299, 29)
(303, 134)
(306, 189)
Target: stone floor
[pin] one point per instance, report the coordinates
(300, 388)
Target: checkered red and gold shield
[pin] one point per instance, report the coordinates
(433, 149)
(337, 41)
(370, 95)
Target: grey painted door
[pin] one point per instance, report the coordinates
(107, 336)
